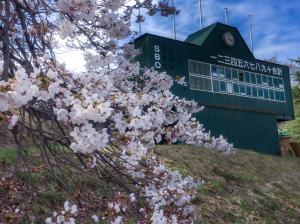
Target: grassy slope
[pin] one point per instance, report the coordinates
(243, 188)
(37, 194)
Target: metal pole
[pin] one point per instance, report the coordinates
(201, 16)
(174, 22)
(226, 17)
(140, 24)
(250, 33)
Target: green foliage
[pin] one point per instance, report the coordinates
(293, 127)
(297, 75)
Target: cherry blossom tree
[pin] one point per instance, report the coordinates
(109, 117)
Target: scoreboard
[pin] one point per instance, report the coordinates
(244, 98)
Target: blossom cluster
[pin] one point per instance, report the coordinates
(169, 194)
(125, 108)
(65, 216)
(115, 104)
(78, 8)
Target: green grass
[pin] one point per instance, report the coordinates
(8, 156)
(11, 155)
(243, 188)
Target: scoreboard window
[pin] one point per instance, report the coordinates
(258, 79)
(192, 82)
(214, 70)
(279, 96)
(236, 88)
(253, 78)
(216, 86)
(241, 76)
(271, 93)
(276, 82)
(229, 87)
(266, 94)
(247, 77)
(260, 93)
(270, 81)
(282, 98)
(221, 71)
(254, 92)
(223, 86)
(197, 68)
(225, 80)
(234, 74)
(248, 91)
(242, 89)
(264, 80)
(228, 73)
(205, 84)
(200, 83)
(280, 83)
(204, 69)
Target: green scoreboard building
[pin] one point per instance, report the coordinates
(244, 98)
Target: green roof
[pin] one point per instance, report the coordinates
(199, 37)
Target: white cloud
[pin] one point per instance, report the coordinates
(73, 59)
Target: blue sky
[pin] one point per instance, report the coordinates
(276, 23)
(276, 26)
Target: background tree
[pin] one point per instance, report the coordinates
(293, 127)
(296, 90)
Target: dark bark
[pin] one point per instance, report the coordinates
(6, 41)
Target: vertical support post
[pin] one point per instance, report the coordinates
(201, 15)
(226, 16)
(140, 23)
(174, 22)
(250, 33)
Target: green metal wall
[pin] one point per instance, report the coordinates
(247, 130)
(247, 122)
